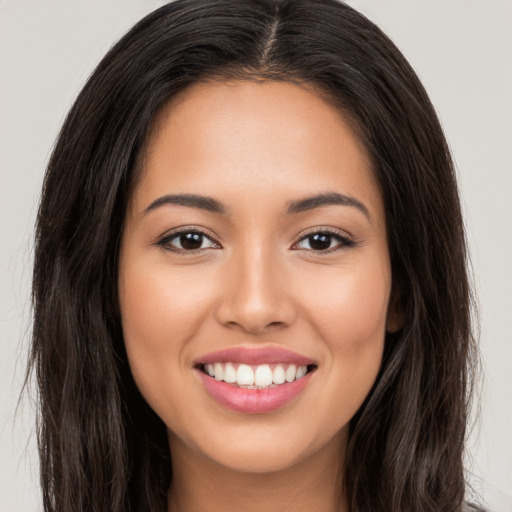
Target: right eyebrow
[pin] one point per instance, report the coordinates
(190, 200)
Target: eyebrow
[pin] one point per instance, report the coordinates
(190, 200)
(325, 199)
(293, 207)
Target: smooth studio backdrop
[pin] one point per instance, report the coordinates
(462, 51)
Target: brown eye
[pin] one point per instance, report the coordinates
(191, 241)
(187, 241)
(324, 241)
(320, 241)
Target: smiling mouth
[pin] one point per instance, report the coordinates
(262, 376)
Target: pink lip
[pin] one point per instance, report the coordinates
(255, 356)
(254, 401)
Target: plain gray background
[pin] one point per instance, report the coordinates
(462, 51)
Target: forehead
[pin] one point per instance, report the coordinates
(275, 108)
(240, 138)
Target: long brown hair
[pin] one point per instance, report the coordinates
(101, 447)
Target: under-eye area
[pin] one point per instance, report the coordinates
(263, 376)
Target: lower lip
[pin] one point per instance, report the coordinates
(253, 401)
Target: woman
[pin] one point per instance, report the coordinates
(250, 279)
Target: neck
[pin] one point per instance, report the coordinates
(314, 483)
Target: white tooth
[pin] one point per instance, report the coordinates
(291, 372)
(263, 375)
(211, 370)
(219, 371)
(244, 375)
(301, 371)
(278, 376)
(229, 373)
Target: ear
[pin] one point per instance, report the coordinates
(395, 317)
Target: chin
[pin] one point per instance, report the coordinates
(265, 448)
(251, 458)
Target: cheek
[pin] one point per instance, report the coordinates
(349, 305)
(162, 304)
(349, 314)
(161, 311)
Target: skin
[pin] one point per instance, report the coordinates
(255, 282)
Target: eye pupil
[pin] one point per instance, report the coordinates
(320, 241)
(191, 241)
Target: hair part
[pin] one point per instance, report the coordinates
(101, 446)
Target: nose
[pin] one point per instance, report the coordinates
(256, 297)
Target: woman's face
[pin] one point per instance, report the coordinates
(254, 250)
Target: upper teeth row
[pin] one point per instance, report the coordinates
(260, 376)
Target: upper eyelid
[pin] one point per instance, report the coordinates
(322, 229)
(189, 229)
(330, 231)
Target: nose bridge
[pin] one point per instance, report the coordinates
(256, 298)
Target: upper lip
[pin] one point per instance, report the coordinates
(255, 356)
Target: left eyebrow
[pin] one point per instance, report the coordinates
(328, 198)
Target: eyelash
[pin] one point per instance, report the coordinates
(165, 241)
(344, 241)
